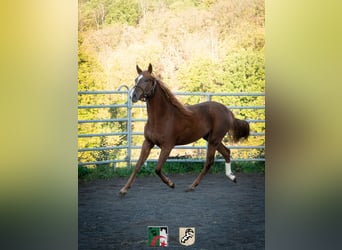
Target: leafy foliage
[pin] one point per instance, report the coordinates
(170, 34)
(95, 14)
(240, 71)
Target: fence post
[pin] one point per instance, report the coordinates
(129, 125)
(129, 130)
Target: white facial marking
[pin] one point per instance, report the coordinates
(131, 93)
(136, 83)
(139, 78)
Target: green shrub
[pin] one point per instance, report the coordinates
(107, 172)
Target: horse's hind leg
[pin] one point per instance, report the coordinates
(208, 163)
(164, 154)
(225, 152)
(145, 151)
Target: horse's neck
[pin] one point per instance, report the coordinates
(159, 105)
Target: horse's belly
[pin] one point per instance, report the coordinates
(186, 137)
(186, 141)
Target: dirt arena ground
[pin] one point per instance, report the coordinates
(225, 215)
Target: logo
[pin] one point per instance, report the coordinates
(187, 236)
(157, 236)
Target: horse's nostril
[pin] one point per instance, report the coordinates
(134, 97)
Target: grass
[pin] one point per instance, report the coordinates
(106, 171)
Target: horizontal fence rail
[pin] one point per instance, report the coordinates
(128, 133)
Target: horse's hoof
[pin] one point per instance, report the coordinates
(232, 178)
(172, 185)
(190, 189)
(122, 192)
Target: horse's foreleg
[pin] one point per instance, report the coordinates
(164, 154)
(208, 163)
(226, 155)
(145, 151)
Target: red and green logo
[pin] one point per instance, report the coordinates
(157, 236)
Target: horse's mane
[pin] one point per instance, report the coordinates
(173, 100)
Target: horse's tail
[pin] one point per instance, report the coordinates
(240, 129)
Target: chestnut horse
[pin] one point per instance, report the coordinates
(171, 123)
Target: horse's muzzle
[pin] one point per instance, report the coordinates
(137, 94)
(135, 97)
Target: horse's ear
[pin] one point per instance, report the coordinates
(150, 68)
(138, 69)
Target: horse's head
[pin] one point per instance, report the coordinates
(144, 86)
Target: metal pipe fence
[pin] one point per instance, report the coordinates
(128, 133)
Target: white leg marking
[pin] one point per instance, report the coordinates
(229, 173)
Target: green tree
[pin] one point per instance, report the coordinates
(123, 11)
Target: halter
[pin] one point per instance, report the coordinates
(146, 94)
